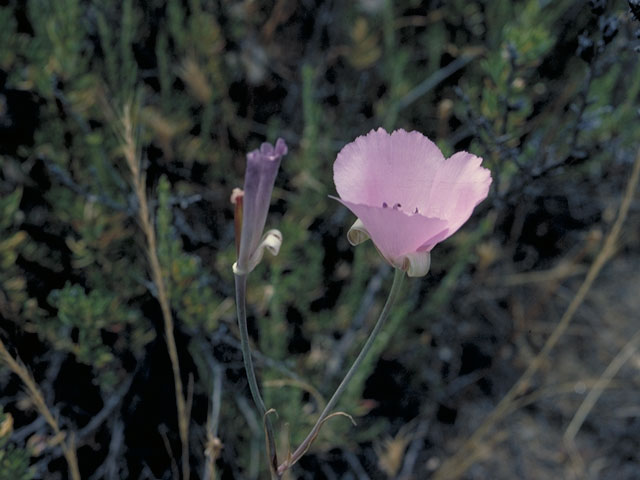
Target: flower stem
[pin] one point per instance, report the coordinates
(241, 298)
(304, 446)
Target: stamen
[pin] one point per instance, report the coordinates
(384, 205)
(397, 206)
(416, 210)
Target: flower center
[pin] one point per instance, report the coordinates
(398, 206)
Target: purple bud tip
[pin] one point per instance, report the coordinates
(266, 149)
(281, 147)
(270, 152)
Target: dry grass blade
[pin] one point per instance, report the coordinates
(174, 467)
(67, 443)
(138, 177)
(594, 394)
(391, 451)
(214, 445)
(456, 465)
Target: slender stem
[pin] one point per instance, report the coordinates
(241, 297)
(304, 446)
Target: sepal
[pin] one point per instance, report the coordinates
(271, 241)
(357, 233)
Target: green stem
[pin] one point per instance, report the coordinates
(304, 446)
(241, 305)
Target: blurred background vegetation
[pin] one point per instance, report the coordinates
(547, 92)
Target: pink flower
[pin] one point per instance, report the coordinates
(406, 195)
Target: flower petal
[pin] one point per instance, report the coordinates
(394, 232)
(396, 168)
(459, 185)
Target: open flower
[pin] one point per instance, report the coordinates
(406, 195)
(252, 206)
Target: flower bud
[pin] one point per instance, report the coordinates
(252, 206)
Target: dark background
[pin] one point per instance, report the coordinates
(546, 92)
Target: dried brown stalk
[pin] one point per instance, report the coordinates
(67, 443)
(138, 177)
(603, 382)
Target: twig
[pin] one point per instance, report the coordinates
(66, 442)
(53, 369)
(455, 466)
(594, 394)
(110, 467)
(214, 445)
(513, 55)
(435, 79)
(568, 266)
(557, 389)
(162, 429)
(260, 358)
(86, 130)
(583, 95)
(356, 466)
(22, 433)
(304, 386)
(411, 457)
(108, 408)
(64, 178)
(139, 178)
(254, 452)
(117, 440)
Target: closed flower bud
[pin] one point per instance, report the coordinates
(252, 206)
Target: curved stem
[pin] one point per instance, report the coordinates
(241, 298)
(384, 314)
